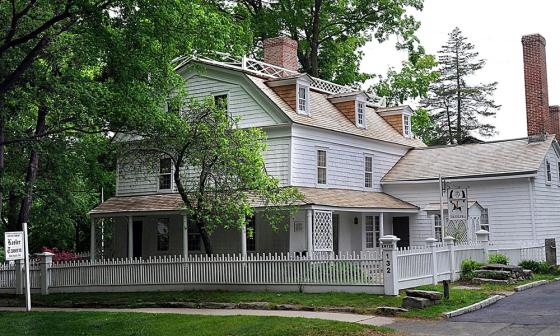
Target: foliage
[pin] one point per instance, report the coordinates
(2, 254)
(411, 82)
(61, 256)
(331, 34)
(498, 258)
(218, 167)
(423, 126)
(467, 268)
(458, 107)
(539, 267)
(107, 323)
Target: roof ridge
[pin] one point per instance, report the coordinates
(472, 144)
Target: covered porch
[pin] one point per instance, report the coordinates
(328, 221)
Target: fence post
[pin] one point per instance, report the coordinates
(482, 236)
(45, 262)
(390, 278)
(19, 276)
(431, 243)
(450, 243)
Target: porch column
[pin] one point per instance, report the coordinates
(130, 240)
(309, 216)
(92, 241)
(381, 227)
(185, 236)
(244, 241)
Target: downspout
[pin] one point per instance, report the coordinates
(532, 208)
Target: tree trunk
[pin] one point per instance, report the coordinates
(205, 236)
(32, 169)
(449, 125)
(1, 162)
(314, 43)
(12, 213)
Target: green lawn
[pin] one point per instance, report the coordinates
(140, 324)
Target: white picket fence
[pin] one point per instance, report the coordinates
(365, 272)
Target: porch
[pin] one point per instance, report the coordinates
(328, 221)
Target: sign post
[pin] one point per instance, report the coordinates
(17, 248)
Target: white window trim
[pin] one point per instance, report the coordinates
(434, 217)
(487, 218)
(376, 242)
(547, 172)
(317, 149)
(172, 179)
(364, 124)
(404, 124)
(306, 87)
(372, 170)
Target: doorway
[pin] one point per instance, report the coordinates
(336, 230)
(137, 239)
(401, 229)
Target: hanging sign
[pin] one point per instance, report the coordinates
(457, 204)
(13, 242)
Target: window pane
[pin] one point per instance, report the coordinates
(368, 180)
(321, 158)
(165, 181)
(548, 174)
(163, 234)
(302, 99)
(220, 101)
(165, 166)
(369, 164)
(321, 167)
(321, 175)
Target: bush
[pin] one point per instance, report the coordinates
(539, 267)
(498, 258)
(2, 254)
(467, 268)
(61, 256)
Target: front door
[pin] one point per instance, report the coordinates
(401, 229)
(335, 230)
(137, 239)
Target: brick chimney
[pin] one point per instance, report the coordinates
(281, 51)
(536, 85)
(555, 120)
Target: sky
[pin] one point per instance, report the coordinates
(495, 28)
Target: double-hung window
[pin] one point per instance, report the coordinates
(373, 232)
(360, 114)
(368, 171)
(484, 220)
(438, 228)
(195, 240)
(165, 174)
(548, 172)
(321, 166)
(303, 99)
(407, 125)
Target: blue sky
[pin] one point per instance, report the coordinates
(495, 27)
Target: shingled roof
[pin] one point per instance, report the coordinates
(497, 158)
(127, 205)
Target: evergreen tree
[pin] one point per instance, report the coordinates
(458, 107)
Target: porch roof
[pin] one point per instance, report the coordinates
(340, 198)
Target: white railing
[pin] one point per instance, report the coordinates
(7, 275)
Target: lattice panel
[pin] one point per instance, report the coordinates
(322, 231)
(457, 229)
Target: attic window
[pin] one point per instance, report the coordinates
(548, 172)
(302, 99)
(360, 117)
(407, 125)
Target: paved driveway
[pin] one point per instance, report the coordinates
(534, 312)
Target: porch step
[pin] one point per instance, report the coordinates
(479, 281)
(431, 295)
(492, 274)
(417, 302)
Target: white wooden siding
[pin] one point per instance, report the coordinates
(345, 158)
(277, 159)
(547, 200)
(507, 201)
(136, 179)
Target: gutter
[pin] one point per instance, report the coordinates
(485, 177)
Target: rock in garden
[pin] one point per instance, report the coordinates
(218, 305)
(479, 281)
(432, 295)
(416, 302)
(391, 311)
(492, 274)
(253, 305)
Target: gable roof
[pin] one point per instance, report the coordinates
(323, 114)
(487, 159)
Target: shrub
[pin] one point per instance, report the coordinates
(498, 258)
(61, 256)
(532, 265)
(467, 268)
(2, 255)
(539, 267)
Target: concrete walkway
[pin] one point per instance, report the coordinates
(342, 317)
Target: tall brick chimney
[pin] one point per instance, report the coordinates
(555, 120)
(536, 85)
(281, 51)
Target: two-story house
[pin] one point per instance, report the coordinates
(362, 172)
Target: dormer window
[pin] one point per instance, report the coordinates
(360, 114)
(302, 99)
(407, 126)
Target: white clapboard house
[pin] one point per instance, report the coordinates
(360, 168)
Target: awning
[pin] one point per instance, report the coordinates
(172, 203)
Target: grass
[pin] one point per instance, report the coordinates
(142, 324)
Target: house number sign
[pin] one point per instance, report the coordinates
(388, 264)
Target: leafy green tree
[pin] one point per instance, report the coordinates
(423, 126)
(330, 34)
(411, 82)
(459, 107)
(218, 167)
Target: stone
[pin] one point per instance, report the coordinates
(500, 267)
(528, 274)
(479, 281)
(492, 274)
(254, 305)
(217, 305)
(416, 302)
(287, 307)
(432, 295)
(390, 311)
(336, 309)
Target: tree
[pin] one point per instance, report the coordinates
(457, 106)
(423, 126)
(70, 69)
(413, 80)
(330, 34)
(218, 167)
